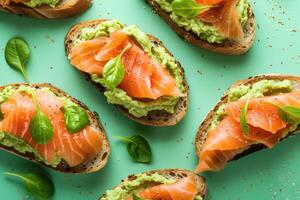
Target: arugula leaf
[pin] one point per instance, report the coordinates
(243, 118)
(17, 54)
(114, 70)
(188, 8)
(138, 148)
(39, 186)
(40, 128)
(135, 197)
(76, 118)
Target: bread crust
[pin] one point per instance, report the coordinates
(154, 118)
(89, 166)
(175, 174)
(228, 47)
(201, 135)
(66, 8)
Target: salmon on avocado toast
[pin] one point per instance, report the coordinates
(170, 184)
(45, 9)
(41, 123)
(136, 72)
(224, 26)
(253, 114)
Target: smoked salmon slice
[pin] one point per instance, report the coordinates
(183, 189)
(145, 78)
(266, 127)
(76, 148)
(225, 17)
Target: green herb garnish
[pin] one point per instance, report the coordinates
(138, 148)
(188, 8)
(40, 127)
(243, 118)
(289, 114)
(17, 53)
(114, 70)
(135, 197)
(40, 187)
(76, 118)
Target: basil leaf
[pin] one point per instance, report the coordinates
(243, 118)
(17, 53)
(135, 197)
(188, 8)
(114, 70)
(138, 148)
(41, 187)
(40, 127)
(289, 114)
(76, 118)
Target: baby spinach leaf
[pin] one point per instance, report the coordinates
(76, 118)
(40, 127)
(135, 197)
(114, 70)
(17, 53)
(39, 186)
(188, 8)
(243, 118)
(138, 148)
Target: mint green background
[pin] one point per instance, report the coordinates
(269, 174)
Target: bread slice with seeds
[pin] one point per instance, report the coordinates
(174, 174)
(65, 8)
(228, 47)
(154, 118)
(89, 166)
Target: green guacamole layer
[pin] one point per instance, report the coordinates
(203, 30)
(119, 96)
(35, 3)
(141, 182)
(19, 144)
(259, 89)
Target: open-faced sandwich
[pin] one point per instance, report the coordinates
(45, 9)
(253, 114)
(224, 26)
(134, 69)
(171, 184)
(42, 123)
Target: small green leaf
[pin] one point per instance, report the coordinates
(289, 114)
(138, 148)
(135, 197)
(243, 118)
(40, 127)
(17, 53)
(1, 115)
(76, 118)
(188, 8)
(114, 70)
(40, 187)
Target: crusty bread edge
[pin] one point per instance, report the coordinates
(173, 173)
(155, 118)
(68, 8)
(89, 166)
(204, 127)
(228, 47)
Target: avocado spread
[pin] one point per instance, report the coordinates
(19, 144)
(140, 182)
(259, 89)
(119, 96)
(35, 3)
(203, 30)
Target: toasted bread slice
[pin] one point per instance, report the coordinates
(176, 174)
(204, 127)
(228, 47)
(89, 166)
(66, 8)
(154, 118)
